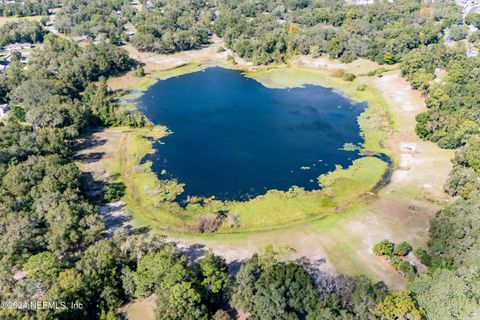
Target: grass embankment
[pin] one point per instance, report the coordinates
(150, 200)
(137, 85)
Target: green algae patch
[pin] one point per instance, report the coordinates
(340, 190)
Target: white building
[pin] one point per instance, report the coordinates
(17, 46)
(472, 53)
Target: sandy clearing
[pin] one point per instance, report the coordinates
(140, 309)
(358, 67)
(155, 61)
(304, 243)
(422, 163)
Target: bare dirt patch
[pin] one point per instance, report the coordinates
(359, 66)
(421, 164)
(97, 149)
(141, 309)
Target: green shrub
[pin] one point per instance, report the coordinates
(458, 32)
(17, 113)
(448, 142)
(406, 267)
(361, 87)
(231, 59)
(395, 262)
(421, 128)
(113, 192)
(402, 249)
(221, 49)
(423, 255)
(383, 248)
(474, 37)
(377, 72)
(389, 58)
(339, 73)
(140, 72)
(473, 19)
(348, 77)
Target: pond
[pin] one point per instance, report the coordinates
(234, 138)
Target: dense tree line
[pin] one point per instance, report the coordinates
(450, 289)
(173, 25)
(57, 89)
(270, 31)
(453, 117)
(46, 221)
(26, 8)
(21, 31)
(98, 19)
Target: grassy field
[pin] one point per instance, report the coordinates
(130, 82)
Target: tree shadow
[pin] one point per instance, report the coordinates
(115, 217)
(192, 252)
(234, 266)
(89, 141)
(89, 157)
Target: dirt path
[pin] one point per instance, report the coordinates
(421, 164)
(97, 150)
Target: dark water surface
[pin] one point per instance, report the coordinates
(233, 138)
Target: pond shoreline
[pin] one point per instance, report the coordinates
(268, 76)
(273, 138)
(344, 239)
